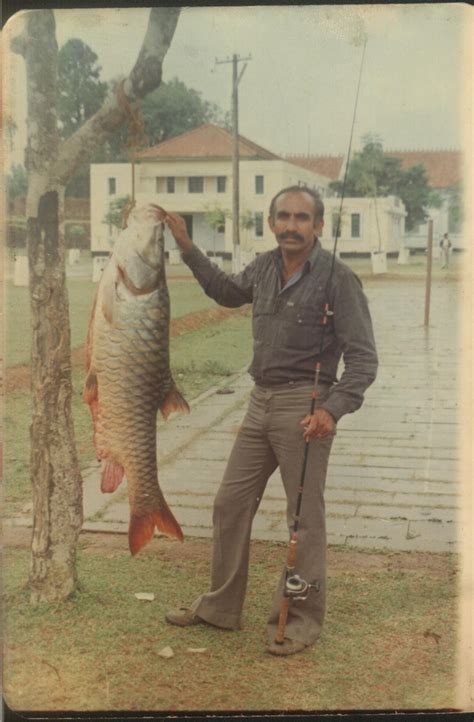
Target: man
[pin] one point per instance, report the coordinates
(445, 250)
(287, 289)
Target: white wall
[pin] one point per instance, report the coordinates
(277, 174)
(102, 236)
(389, 212)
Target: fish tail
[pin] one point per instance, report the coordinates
(142, 528)
(174, 401)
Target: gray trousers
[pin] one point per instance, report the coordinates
(270, 436)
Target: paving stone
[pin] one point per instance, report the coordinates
(410, 513)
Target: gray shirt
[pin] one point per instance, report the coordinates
(287, 322)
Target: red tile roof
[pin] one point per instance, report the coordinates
(207, 141)
(443, 167)
(326, 165)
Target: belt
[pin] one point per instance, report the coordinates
(291, 384)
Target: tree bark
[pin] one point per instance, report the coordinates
(55, 472)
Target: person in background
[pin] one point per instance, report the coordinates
(445, 250)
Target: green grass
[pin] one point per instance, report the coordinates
(99, 650)
(199, 359)
(185, 297)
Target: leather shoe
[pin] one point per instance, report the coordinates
(289, 646)
(183, 617)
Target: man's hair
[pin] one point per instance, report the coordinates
(318, 204)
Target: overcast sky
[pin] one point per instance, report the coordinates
(297, 93)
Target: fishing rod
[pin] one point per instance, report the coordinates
(295, 588)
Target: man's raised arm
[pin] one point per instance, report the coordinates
(233, 290)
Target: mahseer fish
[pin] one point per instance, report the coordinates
(128, 372)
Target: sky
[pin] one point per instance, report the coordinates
(298, 91)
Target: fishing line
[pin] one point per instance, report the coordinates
(295, 587)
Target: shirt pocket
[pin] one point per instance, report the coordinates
(263, 318)
(303, 328)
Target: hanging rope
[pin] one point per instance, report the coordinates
(136, 138)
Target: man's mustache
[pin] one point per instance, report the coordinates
(289, 234)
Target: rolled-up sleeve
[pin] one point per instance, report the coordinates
(227, 290)
(355, 336)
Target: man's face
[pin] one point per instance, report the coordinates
(294, 223)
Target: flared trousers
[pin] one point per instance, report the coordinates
(271, 435)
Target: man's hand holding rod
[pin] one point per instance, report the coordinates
(318, 425)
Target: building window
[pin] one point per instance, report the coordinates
(259, 185)
(170, 184)
(355, 225)
(259, 225)
(221, 183)
(196, 184)
(112, 186)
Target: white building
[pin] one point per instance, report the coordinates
(192, 175)
(444, 169)
(367, 225)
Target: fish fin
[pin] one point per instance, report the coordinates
(108, 302)
(91, 388)
(112, 475)
(90, 328)
(174, 402)
(141, 528)
(90, 395)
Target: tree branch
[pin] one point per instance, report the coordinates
(144, 77)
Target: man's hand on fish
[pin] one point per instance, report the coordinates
(177, 226)
(318, 425)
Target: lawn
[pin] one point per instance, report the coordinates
(185, 297)
(388, 642)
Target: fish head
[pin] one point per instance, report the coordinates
(140, 249)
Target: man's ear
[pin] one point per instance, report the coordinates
(318, 227)
(271, 224)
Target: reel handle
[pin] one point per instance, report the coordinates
(280, 633)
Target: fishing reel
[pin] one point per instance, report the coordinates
(297, 588)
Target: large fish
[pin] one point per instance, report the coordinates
(129, 378)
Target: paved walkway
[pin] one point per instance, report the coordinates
(393, 478)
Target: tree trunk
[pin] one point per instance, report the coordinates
(55, 473)
(56, 478)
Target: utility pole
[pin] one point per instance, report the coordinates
(236, 78)
(429, 264)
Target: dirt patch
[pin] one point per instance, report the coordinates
(17, 378)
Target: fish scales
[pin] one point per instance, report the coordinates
(129, 377)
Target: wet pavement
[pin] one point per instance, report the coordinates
(394, 473)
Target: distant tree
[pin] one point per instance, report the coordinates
(247, 220)
(80, 95)
(417, 195)
(174, 108)
(372, 173)
(115, 214)
(16, 183)
(10, 129)
(80, 90)
(456, 208)
(215, 217)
